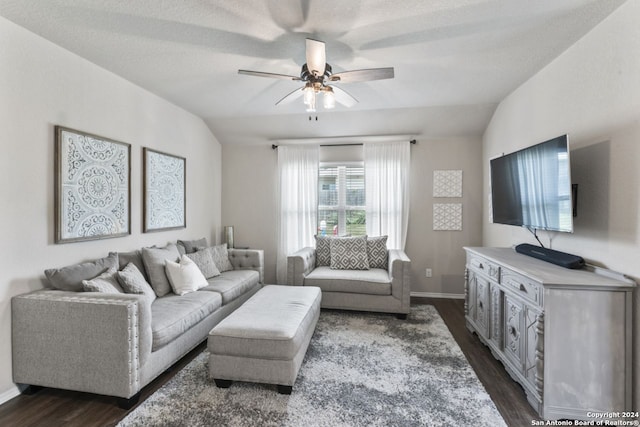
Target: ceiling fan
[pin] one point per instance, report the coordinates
(317, 75)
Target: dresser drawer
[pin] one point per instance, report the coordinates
(521, 285)
(484, 266)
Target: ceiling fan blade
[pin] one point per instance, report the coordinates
(271, 75)
(343, 97)
(316, 57)
(363, 75)
(290, 97)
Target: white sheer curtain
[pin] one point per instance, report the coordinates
(298, 192)
(386, 167)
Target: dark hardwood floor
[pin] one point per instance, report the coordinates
(53, 408)
(508, 396)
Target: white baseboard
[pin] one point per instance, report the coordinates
(436, 295)
(9, 394)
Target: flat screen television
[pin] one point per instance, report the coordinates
(532, 187)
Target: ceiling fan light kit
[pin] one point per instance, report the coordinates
(315, 72)
(310, 98)
(311, 91)
(328, 98)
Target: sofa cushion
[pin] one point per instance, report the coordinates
(154, 260)
(323, 251)
(173, 315)
(349, 253)
(377, 252)
(204, 261)
(106, 283)
(232, 284)
(190, 246)
(135, 257)
(70, 278)
(133, 282)
(375, 281)
(184, 276)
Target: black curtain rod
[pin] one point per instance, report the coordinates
(274, 146)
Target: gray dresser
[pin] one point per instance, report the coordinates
(564, 335)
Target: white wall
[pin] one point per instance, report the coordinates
(591, 92)
(249, 202)
(42, 85)
(442, 250)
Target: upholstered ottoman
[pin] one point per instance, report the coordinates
(265, 339)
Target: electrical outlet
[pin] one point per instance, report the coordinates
(428, 272)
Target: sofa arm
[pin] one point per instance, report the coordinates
(84, 341)
(400, 274)
(299, 265)
(248, 259)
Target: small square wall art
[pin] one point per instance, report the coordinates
(447, 216)
(447, 183)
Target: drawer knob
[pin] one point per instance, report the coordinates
(480, 266)
(523, 288)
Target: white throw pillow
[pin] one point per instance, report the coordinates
(185, 276)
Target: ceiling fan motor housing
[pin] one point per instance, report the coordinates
(307, 76)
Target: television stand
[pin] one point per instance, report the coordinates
(564, 335)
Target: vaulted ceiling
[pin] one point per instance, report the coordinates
(454, 60)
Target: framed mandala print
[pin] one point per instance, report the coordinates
(164, 191)
(92, 187)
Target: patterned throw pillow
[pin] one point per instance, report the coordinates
(323, 251)
(124, 258)
(205, 263)
(349, 253)
(221, 257)
(377, 252)
(105, 283)
(133, 282)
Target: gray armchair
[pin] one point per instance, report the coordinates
(375, 289)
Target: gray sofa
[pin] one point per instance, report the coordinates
(375, 289)
(115, 344)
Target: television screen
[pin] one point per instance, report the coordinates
(532, 187)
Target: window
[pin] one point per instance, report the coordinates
(341, 200)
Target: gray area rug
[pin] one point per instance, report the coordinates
(361, 369)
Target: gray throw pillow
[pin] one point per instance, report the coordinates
(349, 253)
(377, 252)
(220, 256)
(70, 278)
(154, 261)
(190, 246)
(204, 260)
(135, 257)
(323, 251)
(105, 283)
(133, 282)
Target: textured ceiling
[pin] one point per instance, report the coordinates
(454, 60)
